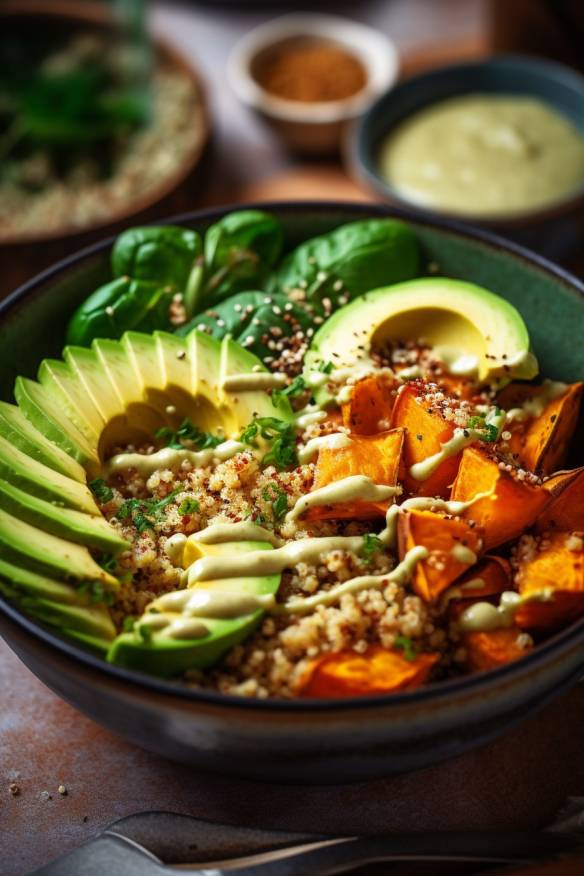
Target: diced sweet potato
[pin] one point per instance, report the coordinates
(540, 443)
(566, 507)
(512, 506)
(375, 456)
(370, 407)
(377, 670)
(551, 565)
(492, 648)
(453, 546)
(490, 576)
(426, 431)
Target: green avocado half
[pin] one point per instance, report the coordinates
(469, 325)
(53, 536)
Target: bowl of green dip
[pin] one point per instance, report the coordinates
(498, 143)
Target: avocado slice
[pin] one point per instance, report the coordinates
(19, 432)
(236, 360)
(26, 473)
(79, 621)
(159, 654)
(459, 317)
(85, 529)
(28, 546)
(65, 386)
(85, 364)
(39, 406)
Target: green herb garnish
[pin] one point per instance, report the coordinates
(280, 434)
(108, 562)
(371, 545)
(187, 431)
(326, 367)
(408, 646)
(101, 491)
(145, 513)
(96, 592)
(486, 432)
(296, 388)
(188, 506)
(279, 499)
(129, 623)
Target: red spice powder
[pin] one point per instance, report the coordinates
(310, 70)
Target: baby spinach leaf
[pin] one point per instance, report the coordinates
(347, 262)
(166, 255)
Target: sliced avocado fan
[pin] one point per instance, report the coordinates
(463, 322)
(55, 441)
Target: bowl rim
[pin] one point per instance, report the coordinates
(360, 148)
(167, 55)
(376, 51)
(432, 694)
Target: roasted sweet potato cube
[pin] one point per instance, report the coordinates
(492, 648)
(426, 431)
(490, 576)
(453, 546)
(377, 670)
(540, 441)
(512, 506)
(376, 456)
(566, 506)
(370, 407)
(550, 566)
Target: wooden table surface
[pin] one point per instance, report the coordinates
(518, 781)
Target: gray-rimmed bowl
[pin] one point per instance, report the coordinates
(307, 741)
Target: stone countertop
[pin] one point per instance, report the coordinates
(519, 781)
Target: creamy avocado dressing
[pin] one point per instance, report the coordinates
(172, 458)
(174, 548)
(400, 575)
(485, 155)
(484, 616)
(308, 416)
(334, 441)
(261, 563)
(245, 530)
(352, 489)
(461, 438)
(254, 381)
(457, 362)
(463, 554)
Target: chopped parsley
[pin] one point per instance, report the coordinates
(188, 506)
(282, 437)
(371, 545)
(145, 513)
(296, 388)
(187, 432)
(128, 623)
(326, 367)
(101, 491)
(408, 646)
(108, 562)
(277, 496)
(486, 432)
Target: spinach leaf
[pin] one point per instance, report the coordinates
(168, 255)
(239, 250)
(119, 306)
(347, 262)
(257, 321)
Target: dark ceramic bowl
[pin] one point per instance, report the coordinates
(307, 741)
(558, 86)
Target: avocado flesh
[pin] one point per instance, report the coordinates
(91, 620)
(37, 479)
(78, 404)
(89, 530)
(86, 366)
(447, 313)
(20, 433)
(43, 411)
(28, 546)
(164, 656)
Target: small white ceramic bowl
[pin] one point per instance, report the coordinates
(315, 127)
